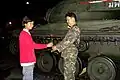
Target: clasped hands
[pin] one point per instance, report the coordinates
(51, 45)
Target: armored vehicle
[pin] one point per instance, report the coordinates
(99, 49)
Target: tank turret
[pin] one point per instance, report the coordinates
(83, 10)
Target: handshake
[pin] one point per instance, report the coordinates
(51, 45)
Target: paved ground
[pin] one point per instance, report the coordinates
(15, 74)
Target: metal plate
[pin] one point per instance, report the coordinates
(101, 68)
(78, 66)
(46, 62)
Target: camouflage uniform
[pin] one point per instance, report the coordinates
(69, 52)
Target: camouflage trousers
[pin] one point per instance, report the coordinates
(70, 68)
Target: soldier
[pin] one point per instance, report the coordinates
(68, 47)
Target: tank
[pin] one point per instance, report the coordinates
(99, 49)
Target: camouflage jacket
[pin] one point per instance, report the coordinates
(71, 38)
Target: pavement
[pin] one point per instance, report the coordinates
(15, 74)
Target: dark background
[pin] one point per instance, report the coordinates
(15, 10)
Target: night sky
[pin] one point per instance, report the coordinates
(15, 10)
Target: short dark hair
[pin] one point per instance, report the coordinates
(71, 14)
(26, 20)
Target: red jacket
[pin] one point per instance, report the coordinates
(27, 46)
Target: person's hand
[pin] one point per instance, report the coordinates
(50, 44)
(54, 48)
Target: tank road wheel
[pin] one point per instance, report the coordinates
(83, 46)
(78, 66)
(46, 62)
(101, 68)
